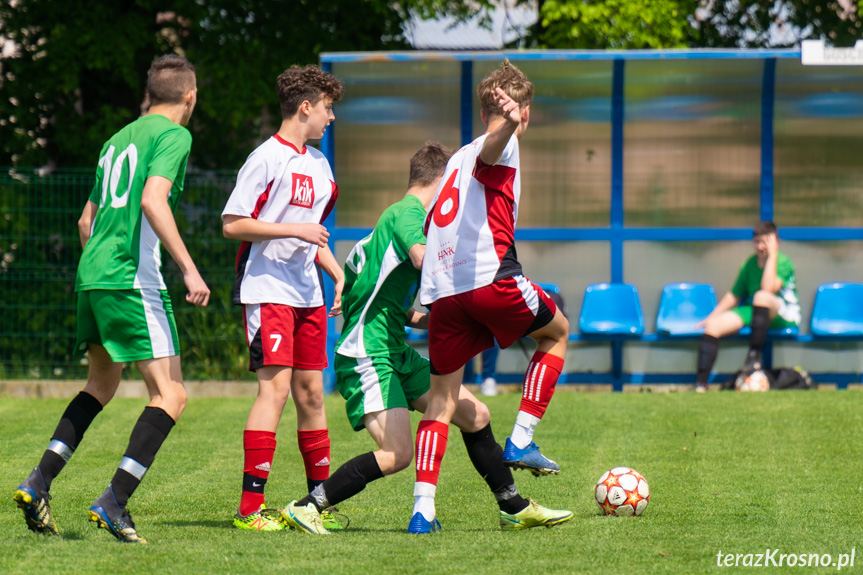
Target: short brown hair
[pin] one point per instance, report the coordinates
(509, 79)
(764, 229)
(428, 164)
(169, 79)
(298, 84)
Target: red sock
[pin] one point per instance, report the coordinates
(315, 449)
(430, 448)
(259, 447)
(539, 382)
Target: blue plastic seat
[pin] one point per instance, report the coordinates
(780, 332)
(611, 309)
(838, 310)
(682, 306)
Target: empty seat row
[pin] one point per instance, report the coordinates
(614, 309)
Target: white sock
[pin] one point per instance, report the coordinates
(522, 431)
(424, 494)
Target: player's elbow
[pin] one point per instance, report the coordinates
(229, 230)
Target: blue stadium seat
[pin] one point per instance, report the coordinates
(683, 305)
(838, 310)
(611, 309)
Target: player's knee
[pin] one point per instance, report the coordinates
(174, 401)
(482, 417)
(763, 298)
(402, 457)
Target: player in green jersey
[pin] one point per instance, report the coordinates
(124, 312)
(763, 296)
(382, 378)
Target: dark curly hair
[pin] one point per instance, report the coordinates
(298, 84)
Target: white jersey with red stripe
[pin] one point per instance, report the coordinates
(471, 225)
(280, 184)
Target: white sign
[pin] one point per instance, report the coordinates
(815, 53)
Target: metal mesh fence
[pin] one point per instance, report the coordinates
(39, 253)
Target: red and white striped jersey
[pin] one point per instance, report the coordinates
(281, 184)
(471, 224)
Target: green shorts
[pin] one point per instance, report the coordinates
(778, 322)
(131, 324)
(372, 384)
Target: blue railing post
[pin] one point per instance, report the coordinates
(616, 218)
(768, 100)
(466, 102)
(328, 148)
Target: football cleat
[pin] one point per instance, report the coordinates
(305, 519)
(261, 520)
(419, 525)
(529, 458)
(32, 498)
(107, 515)
(534, 515)
(333, 520)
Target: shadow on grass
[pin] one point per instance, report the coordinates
(212, 524)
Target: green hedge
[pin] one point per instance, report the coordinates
(39, 253)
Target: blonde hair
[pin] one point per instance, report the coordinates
(509, 79)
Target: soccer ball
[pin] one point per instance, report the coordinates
(622, 492)
(754, 381)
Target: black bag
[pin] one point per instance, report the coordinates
(779, 378)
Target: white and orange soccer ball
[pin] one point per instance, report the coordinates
(622, 492)
(754, 381)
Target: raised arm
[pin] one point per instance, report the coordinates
(501, 128)
(769, 279)
(154, 205)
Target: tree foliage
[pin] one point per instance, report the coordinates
(635, 24)
(615, 24)
(79, 67)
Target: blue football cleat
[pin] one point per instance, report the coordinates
(107, 515)
(529, 458)
(420, 525)
(32, 498)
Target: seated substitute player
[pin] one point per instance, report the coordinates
(381, 377)
(124, 311)
(763, 296)
(473, 281)
(284, 192)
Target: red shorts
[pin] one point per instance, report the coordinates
(463, 325)
(284, 335)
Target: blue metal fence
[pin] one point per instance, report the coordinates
(617, 233)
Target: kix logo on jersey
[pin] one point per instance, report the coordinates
(302, 191)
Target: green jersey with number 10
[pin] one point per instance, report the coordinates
(381, 283)
(123, 251)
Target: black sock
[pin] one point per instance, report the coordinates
(147, 437)
(312, 483)
(707, 351)
(487, 458)
(760, 324)
(347, 481)
(79, 414)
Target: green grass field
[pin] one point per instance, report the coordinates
(730, 472)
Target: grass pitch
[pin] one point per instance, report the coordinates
(730, 472)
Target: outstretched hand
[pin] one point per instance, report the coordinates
(509, 108)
